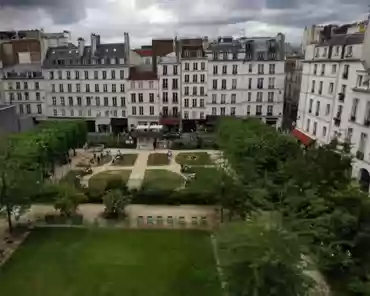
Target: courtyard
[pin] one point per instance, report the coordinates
(66, 262)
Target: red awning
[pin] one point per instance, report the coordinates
(303, 138)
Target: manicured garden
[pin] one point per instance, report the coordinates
(100, 181)
(158, 159)
(125, 160)
(66, 262)
(162, 180)
(194, 158)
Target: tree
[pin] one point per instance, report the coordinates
(261, 258)
(68, 199)
(115, 201)
(17, 183)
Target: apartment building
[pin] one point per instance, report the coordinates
(334, 100)
(88, 82)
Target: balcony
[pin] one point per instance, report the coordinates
(367, 122)
(341, 97)
(169, 118)
(337, 121)
(360, 155)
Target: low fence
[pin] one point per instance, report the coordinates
(111, 140)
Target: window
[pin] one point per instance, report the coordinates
(224, 55)
(186, 103)
(310, 106)
(222, 111)
(345, 72)
(79, 101)
(317, 51)
(54, 99)
(322, 69)
(141, 110)
(87, 86)
(106, 102)
(313, 86)
(249, 83)
(11, 97)
(249, 96)
(202, 78)
(123, 102)
(349, 51)
(320, 87)
(259, 96)
(248, 110)
(331, 87)
(122, 87)
(70, 101)
(62, 101)
(195, 66)
(132, 84)
(141, 84)
(271, 83)
(38, 97)
(105, 87)
(141, 98)
(164, 70)
(61, 89)
(114, 101)
(317, 108)
(186, 90)
(122, 74)
(224, 69)
(202, 66)
(270, 110)
(233, 84)
(315, 69)
(114, 88)
(333, 69)
(325, 52)
(133, 98)
(354, 110)
(223, 99)
(104, 75)
(88, 101)
(201, 91)
(77, 75)
(272, 69)
(314, 128)
(215, 69)
(78, 87)
(214, 84)
(133, 110)
(25, 85)
(21, 109)
(327, 109)
(186, 78)
(113, 74)
(51, 76)
(55, 112)
(232, 111)
(165, 97)
(175, 84)
(195, 78)
(270, 97)
(151, 110)
(96, 87)
(89, 112)
(214, 99)
(261, 69)
(201, 103)
(308, 123)
(175, 99)
(97, 101)
(106, 113)
(165, 83)
(194, 103)
(39, 109)
(96, 75)
(223, 84)
(26, 96)
(258, 109)
(60, 76)
(194, 90)
(214, 111)
(235, 69)
(175, 70)
(86, 74)
(233, 99)
(260, 83)
(250, 68)
(19, 96)
(18, 85)
(187, 66)
(336, 50)
(324, 131)
(186, 114)
(151, 98)
(344, 89)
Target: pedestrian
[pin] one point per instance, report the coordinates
(169, 155)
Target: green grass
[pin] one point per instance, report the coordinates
(99, 181)
(158, 159)
(97, 262)
(200, 158)
(126, 160)
(70, 177)
(162, 180)
(206, 179)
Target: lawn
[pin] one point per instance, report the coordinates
(126, 160)
(96, 262)
(158, 159)
(100, 180)
(206, 179)
(195, 158)
(162, 180)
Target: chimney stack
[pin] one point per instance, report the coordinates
(81, 46)
(127, 48)
(93, 44)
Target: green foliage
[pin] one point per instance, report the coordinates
(68, 199)
(115, 202)
(262, 258)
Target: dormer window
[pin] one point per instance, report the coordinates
(317, 52)
(325, 52)
(215, 56)
(187, 53)
(114, 49)
(260, 56)
(199, 53)
(349, 51)
(224, 55)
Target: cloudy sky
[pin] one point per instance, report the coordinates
(146, 19)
